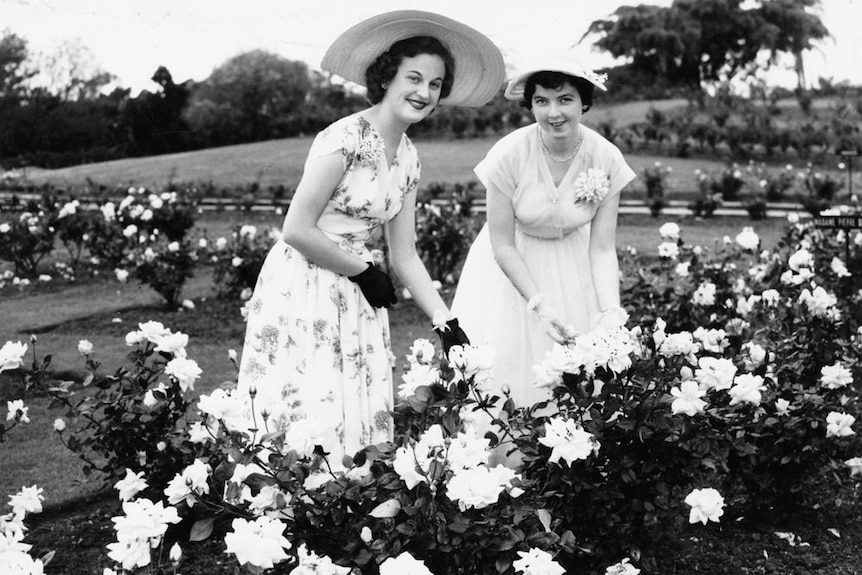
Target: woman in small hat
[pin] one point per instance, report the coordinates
(544, 268)
(316, 358)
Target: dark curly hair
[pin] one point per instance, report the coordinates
(555, 81)
(384, 68)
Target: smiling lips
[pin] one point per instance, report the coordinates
(418, 104)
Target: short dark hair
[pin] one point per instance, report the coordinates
(384, 68)
(554, 81)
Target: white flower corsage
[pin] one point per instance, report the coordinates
(592, 185)
(370, 149)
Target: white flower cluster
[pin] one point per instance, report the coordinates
(140, 529)
(461, 462)
(184, 370)
(14, 553)
(601, 348)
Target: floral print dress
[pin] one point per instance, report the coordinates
(316, 353)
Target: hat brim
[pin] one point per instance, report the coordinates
(479, 67)
(515, 88)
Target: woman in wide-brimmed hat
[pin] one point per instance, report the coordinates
(316, 359)
(544, 268)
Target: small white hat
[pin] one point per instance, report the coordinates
(479, 66)
(566, 64)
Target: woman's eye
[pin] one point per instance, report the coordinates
(436, 85)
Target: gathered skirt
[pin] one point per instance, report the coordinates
(493, 313)
(317, 356)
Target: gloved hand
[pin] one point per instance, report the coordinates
(550, 320)
(451, 334)
(376, 286)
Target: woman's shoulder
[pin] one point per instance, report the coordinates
(598, 142)
(517, 141)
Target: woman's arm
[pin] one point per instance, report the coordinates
(401, 233)
(501, 228)
(300, 230)
(603, 254)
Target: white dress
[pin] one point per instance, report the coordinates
(552, 232)
(315, 350)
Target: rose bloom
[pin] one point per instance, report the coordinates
(714, 340)
(681, 269)
(567, 440)
(622, 568)
(706, 505)
(800, 259)
(835, 376)
(839, 268)
(12, 355)
(467, 450)
(28, 500)
(192, 481)
(422, 351)
(681, 343)
(704, 294)
(818, 301)
(746, 389)
(688, 399)
(17, 411)
(839, 424)
(855, 465)
(260, 543)
(537, 562)
(132, 484)
(669, 231)
(419, 375)
(478, 487)
(186, 371)
(404, 564)
(668, 250)
(85, 347)
(748, 239)
(312, 564)
(715, 372)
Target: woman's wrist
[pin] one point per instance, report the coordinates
(535, 302)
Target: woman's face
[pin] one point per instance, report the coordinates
(415, 90)
(558, 112)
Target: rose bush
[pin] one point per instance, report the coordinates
(731, 392)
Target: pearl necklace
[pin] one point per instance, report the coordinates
(567, 158)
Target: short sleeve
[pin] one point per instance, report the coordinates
(499, 168)
(414, 169)
(619, 172)
(341, 137)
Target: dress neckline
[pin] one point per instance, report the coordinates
(389, 166)
(537, 145)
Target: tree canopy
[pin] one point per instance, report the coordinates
(248, 97)
(692, 42)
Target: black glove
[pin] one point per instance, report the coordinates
(451, 335)
(376, 286)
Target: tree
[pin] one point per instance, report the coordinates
(692, 42)
(70, 72)
(251, 97)
(793, 28)
(13, 55)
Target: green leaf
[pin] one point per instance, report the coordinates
(202, 529)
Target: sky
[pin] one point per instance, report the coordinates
(132, 38)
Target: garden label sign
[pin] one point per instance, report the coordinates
(840, 222)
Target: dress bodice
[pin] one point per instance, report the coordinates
(370, 191)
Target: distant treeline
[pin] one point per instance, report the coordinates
(44, 130)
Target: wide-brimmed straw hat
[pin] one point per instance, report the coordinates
(479, 67)
(566, 64)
